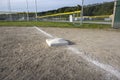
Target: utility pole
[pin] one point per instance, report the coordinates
(27, 10)
(36, 9)
(9, 8)
(81, 14)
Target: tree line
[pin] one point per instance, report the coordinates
(105, 8)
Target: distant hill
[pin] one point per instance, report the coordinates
(105, 8)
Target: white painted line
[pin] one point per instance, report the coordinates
(105, 67)
(44, 32)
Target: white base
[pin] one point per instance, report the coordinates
(56, 42)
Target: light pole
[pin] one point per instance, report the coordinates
(27, 10)
(9, 8)
(36, 9)
(81, 14)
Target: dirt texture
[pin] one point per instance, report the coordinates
(24, 54)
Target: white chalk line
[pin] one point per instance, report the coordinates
(44, 32)
(105, 67)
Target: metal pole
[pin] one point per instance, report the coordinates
(27, 10)
(9, 8)
(36, 9)
(115, 2)
(81, 19)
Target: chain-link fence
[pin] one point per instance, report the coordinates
(90, 13)
(6, 16)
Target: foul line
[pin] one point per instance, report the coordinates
(48, 35)
(105, 67)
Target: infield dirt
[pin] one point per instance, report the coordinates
(24, 54)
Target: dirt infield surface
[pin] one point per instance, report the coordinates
(24, 54)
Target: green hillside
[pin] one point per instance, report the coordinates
(105, 8)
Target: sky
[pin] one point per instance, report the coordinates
(43, 5)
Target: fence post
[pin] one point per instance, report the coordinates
(116, 14)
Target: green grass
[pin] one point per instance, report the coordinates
(54, 24)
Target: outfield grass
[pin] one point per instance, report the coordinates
(54, 24)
